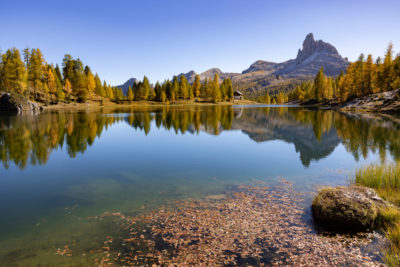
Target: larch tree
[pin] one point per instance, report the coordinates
(68, 88)
(196, 86)
(51, 83)
(319, 83)
(91, 83)
(183, 88)
(145, 90)
(129, 94)
(13, 72)
(216, 92)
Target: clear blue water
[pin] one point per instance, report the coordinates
(59, 168)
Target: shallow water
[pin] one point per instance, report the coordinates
(60, 168)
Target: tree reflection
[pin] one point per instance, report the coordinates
(315, 133)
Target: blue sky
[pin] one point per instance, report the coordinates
(160, 38)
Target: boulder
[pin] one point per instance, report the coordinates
(348, 209)
(16, 104)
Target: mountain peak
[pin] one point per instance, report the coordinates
(126, 85)
(310, 46)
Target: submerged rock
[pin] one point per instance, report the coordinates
(16, 104)
(348, 209)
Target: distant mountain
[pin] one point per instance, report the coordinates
(191, 75)
(265, 74)
(261, 74)
(126, 85)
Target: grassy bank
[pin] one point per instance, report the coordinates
(385, 179)
(95, 104)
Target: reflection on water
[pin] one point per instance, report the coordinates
(315, 134)
(61, 168)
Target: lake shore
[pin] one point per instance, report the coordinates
(384, 103)
(141, 104)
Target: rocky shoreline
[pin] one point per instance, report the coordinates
(13, 104)
(387, 102)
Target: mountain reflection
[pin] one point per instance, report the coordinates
(315, 133)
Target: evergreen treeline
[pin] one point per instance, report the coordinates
(180, 89)
(362, 78)
(31, 76)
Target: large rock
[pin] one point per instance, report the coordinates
(348, 209)
(386, 102)
(15, 104)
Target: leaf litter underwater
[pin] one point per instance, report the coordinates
(252, 226)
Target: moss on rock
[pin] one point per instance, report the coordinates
(348, 209)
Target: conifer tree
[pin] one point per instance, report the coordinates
(145, 89)
(268, 99)
(98, 87)
(68, 89)
(13, 72)
(369, 76)
(109, 92)
(183, 88)
(58, 73)
(174, 89)
(129, 94)
(51, 83)
(196, 86)
(229, 89)
(36, 71)
(319, 83)
(216, 92)
(91, 83)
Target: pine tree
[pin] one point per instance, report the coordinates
(13, 72)
(222, 89)
(91, 83)
(51, 83)
(109, 92)
(129, 94)
(98, 87)
(196, 86)
(36, 71)
(58, 73)
(68, 88)
(280, 98)
(174, 89)
(387, 69)
(396, 73)
(319, 83)
(145, 89)
(369, 76)
(183, 88)
(216, 92)
(268, 99)
(229, 89)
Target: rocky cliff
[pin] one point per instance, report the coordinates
(264, 74)
(261, 74)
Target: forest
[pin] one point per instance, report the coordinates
(30, 76)
(362, 77)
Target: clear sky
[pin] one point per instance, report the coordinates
(160, 38)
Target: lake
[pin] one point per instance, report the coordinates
(61, 169)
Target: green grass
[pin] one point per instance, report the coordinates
(385, 179)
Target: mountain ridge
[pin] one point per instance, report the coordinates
(265, 74)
